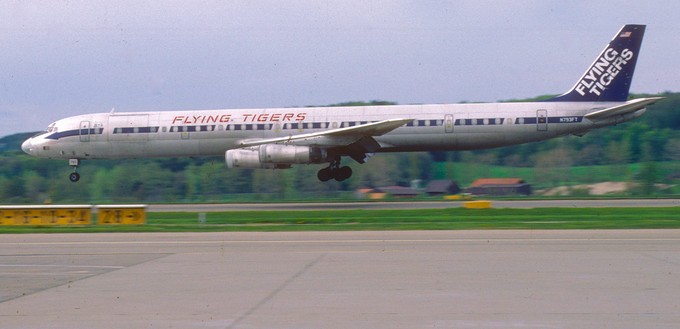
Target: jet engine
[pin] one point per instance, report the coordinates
(274, 156)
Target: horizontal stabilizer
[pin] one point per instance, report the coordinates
(625, 108)
(334, 137)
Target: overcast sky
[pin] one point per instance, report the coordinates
(63, 58)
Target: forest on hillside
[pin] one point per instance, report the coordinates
(645, 151)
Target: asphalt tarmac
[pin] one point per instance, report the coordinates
(418, 279)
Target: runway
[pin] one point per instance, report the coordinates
(403, 279)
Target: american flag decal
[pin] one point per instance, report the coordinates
(626, 34)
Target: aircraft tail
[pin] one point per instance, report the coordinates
(608, 79)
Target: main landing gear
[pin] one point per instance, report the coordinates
(74, 176)
(334, 171)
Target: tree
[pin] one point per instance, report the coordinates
(553, 167)
(647, 178)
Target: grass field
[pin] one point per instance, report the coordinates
(423, 219)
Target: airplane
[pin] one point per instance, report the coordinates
(278, 138)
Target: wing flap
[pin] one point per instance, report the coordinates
(335, 137)
(625, 108)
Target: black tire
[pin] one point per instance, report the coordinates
(74, 177)
(343, 173)
(324, 174)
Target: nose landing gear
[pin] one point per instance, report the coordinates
(74, 176)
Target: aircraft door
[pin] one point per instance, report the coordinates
(542, 120)
(85, 131)
(448, 123)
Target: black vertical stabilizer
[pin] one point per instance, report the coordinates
(608, 78)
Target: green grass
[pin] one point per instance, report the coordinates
(423, 219)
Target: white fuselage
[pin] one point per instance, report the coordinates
(435, 127)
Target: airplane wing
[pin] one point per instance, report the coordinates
(335, 137)
(627, 107)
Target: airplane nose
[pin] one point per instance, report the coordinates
(27, 146)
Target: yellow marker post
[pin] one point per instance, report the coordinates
(121, 215)
(480, 204)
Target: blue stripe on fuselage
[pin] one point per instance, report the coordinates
(416, 123)
(75, 132)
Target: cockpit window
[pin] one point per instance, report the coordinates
(50, 129)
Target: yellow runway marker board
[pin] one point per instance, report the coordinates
(121, 215)
(45, 215)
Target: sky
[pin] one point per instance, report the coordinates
(64, 58)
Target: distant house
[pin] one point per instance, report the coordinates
(442, 187)
(397, 191)
(363, 193)
(499, 186)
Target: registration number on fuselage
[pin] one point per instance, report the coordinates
(570, 119)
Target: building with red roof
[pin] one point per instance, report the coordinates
(499, 186)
